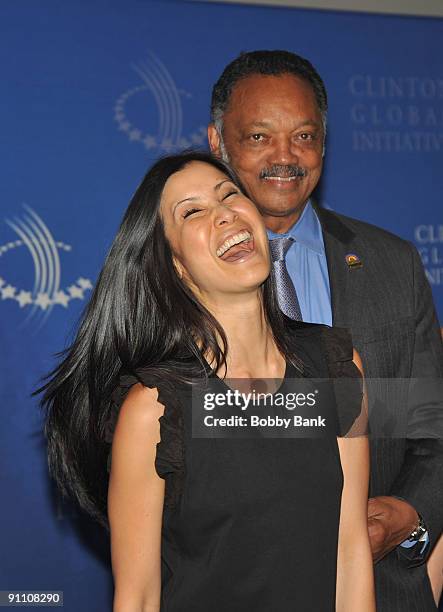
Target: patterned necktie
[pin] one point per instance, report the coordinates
(286, 293)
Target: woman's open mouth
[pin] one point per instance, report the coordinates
(236, 246)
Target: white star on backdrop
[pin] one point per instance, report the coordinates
(150, 142)
(8, 292)
(135, 135)
(75, 292)
(84, 283)
(24, 298)
(60, 297)
(43, 300)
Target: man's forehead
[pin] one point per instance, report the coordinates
(303, 122)
(270, 90)
(255, 99)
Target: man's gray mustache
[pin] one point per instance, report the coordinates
(278, 171)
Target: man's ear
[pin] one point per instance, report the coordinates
(214, 140)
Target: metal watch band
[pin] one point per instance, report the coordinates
(418, 532)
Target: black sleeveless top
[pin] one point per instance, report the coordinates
(251, 524)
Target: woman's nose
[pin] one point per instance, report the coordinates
(224, 215)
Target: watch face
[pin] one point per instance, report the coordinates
(419, 532)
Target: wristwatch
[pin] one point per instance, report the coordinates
(419, 533)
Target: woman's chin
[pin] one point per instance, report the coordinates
(245, 284)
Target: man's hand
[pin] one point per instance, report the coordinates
(390, 522)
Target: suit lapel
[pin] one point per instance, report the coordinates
(338, 239)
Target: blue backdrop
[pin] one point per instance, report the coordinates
(92, 92)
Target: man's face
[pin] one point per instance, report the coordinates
(273, 136)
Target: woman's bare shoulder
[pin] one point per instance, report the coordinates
(141, 408)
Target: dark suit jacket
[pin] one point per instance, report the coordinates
(387, 305)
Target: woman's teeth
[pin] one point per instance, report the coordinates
(236, 239)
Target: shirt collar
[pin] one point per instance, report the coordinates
(306, 231)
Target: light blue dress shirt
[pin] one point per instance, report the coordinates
(308, 268)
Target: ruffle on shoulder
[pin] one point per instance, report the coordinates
(169, 461)
(347, 380)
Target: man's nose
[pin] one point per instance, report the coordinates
(223, 214)
(284, 152)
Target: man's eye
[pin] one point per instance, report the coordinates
(190, 211)
(257, 137)
(306, 136)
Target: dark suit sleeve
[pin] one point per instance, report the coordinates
(420, 481)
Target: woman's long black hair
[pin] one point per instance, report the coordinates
(141, 314)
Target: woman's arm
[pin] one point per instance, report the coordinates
(135, 504)
(355, 578)
(435, 570)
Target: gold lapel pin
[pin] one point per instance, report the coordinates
(353, 261)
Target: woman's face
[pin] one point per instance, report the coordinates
(216, 233)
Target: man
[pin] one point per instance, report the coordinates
(268, 119)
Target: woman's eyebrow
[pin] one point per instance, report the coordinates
(217, 187)
(196, 198)
(191, 199)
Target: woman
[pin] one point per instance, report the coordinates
(435, 570)
(196, 524)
